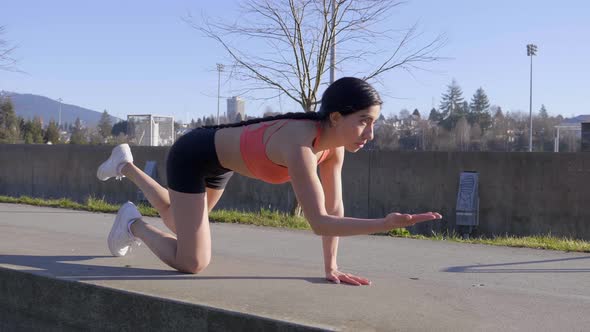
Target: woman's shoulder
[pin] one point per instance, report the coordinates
(299, 132)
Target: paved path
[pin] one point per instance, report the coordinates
(417, 284)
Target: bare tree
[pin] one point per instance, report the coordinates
(461, 133)
(298, 35)
(386, 137)
(7, 62)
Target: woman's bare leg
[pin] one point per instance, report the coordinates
(157, 195)
(190, 252)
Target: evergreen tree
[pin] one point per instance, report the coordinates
(36, 130)
(479, 110)
(119, 128)
(480, 102)
(78, 134)
(543, 112)
(9, 129)
(52, 133)
(435, 116)
(452, 106)
(32, 131)
(452, 100)
(416, 113)
(105, 126)
(498, 114)
(21, 123)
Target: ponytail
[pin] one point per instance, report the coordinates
(291, 115)
(346, 96)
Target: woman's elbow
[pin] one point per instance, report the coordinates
(320, 226)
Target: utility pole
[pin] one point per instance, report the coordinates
(59, 122)
(219, 70)
(531, 50)
(333, 45)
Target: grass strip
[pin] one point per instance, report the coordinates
(269, 218)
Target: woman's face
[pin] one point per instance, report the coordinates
(356, 129)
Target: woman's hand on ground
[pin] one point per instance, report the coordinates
(398, 220)
(337, 277)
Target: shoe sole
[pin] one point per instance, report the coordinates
(124, 148)
(116, 226)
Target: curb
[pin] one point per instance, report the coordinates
(48, 303)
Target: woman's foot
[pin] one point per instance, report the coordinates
(120, 156)
(120, 240)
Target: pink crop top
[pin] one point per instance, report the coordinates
(253, 151)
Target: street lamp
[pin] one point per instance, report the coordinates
(59, 122)
(219, 70)
(531, 49)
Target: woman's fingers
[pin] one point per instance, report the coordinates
(417, 218)
(338, 277)
(349, 280)
(361, 280)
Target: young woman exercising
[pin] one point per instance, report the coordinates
(284, 148)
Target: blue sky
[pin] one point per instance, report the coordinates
(132, 57)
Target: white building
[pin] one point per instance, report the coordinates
(235, 105)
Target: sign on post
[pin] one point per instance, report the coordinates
(467, 209)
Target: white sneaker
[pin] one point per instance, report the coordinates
(120, 155)
(120, 240)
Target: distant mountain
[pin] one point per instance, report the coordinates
(28, 106)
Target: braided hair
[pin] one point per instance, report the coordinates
(346, 95)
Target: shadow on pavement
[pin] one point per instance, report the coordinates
(491, 268)
(64, 267)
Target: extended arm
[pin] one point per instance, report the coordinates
(331, 178)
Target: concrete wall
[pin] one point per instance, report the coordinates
(520, 193)
(32, 302)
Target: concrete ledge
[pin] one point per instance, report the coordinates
(35, 302)
(59, 275)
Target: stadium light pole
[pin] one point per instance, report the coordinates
(219, 70)
(531, 50)
(333, 46)
(59, 121)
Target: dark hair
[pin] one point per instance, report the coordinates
(346, 95)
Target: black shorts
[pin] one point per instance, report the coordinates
(192, 163)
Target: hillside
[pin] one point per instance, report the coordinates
(29, 106)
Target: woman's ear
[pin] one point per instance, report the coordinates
(335, 118)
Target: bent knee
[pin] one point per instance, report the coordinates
(194, 266)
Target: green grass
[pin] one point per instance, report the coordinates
(278, 219)
(262, 218)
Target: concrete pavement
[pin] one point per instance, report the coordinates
(417, 284)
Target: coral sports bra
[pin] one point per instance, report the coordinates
(253, 151)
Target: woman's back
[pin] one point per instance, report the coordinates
(280, 136)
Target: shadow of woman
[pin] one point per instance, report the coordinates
(65, 267)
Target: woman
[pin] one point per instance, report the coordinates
(288, 147)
